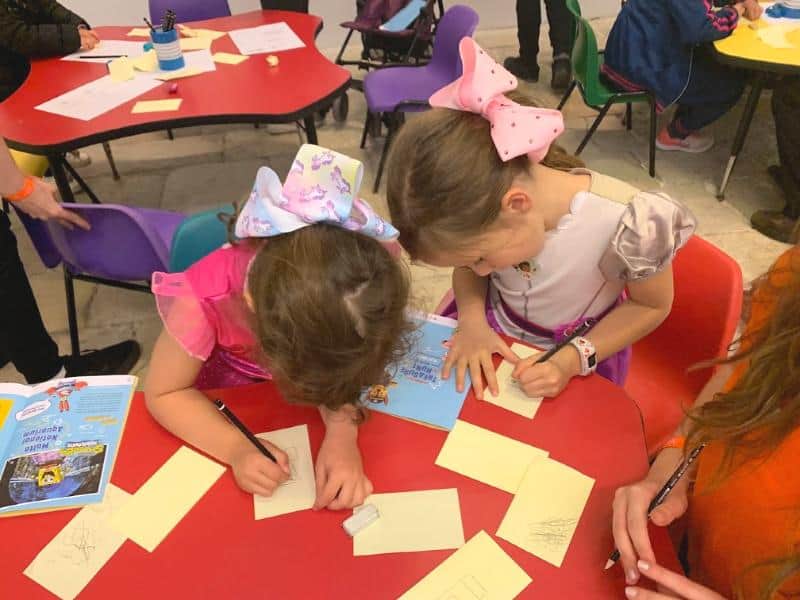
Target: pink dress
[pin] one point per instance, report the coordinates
(204, 310)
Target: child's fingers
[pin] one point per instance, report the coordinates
(327, 493)
(461, 371)
(491, 375)
(637, 593)
(476, 376)
(622, 540)
(448, 364)
(523, 365)
(675, 582)
(345, 498)
(672, 508)
(506, 352)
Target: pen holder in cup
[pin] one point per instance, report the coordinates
(168, 49)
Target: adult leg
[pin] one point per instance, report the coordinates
(561, 31)
(529, 20)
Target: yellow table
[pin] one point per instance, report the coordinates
(744, 49)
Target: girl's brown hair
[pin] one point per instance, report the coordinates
(754, 417)
(329, 313)
(445, 179)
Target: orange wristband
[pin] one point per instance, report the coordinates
(677, 442)
(25, 191)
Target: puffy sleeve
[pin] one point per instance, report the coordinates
(651, 231)
(183, 314)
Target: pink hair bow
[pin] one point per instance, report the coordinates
(516, 130)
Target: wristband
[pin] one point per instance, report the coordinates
(587, 353)
(23, 192)
(677, 442)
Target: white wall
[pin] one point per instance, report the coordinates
(494, 13)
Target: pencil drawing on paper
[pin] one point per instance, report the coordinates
(80, 546)
(553, 533)
(467, 588)
(291, 452)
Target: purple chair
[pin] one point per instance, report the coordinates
(393, 91)
(189, 10)
(123, 249)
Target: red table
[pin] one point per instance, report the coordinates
(219, 551)
(303, 83)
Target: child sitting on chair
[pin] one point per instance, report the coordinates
(665, 47)
(310, 297)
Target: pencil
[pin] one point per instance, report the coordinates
(93, 56)
(662, 494)
(241, 427)
(578, 331)
(149, 24)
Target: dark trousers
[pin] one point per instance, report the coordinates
(786, 111)
(23, 339)
(529, 20)
(292, 5)
(713, 89)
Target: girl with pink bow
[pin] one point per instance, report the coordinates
(309, 296)
(538, 245)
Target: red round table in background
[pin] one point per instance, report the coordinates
(219, 551)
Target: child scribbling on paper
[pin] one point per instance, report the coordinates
(537, 246)
(308, 296)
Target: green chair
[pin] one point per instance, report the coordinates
(197, 236)
(597, 92)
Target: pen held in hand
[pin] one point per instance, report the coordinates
(577, 332)
(241, 427)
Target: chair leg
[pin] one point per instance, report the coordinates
(393, 126)
(629, 116)
(170, 135)
(653, 118)
(110, 158)
(594, 127)
(72, 316)
(6, 207)
(567, 94)
(367, 123)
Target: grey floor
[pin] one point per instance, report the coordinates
(209, 166)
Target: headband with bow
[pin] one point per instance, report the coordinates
(321, 187)
(516, 129)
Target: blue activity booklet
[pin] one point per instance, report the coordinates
(416, 390)
(59, 440)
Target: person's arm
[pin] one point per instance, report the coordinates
(183, 410)
(40, 40)
(50, 11)
(697, 22)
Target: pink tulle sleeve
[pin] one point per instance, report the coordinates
(183, 314)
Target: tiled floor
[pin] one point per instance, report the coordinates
(209, 166)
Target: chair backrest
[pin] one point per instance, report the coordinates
(189, 10)
(574, 7)
(121, 244)
(300, 6)
(586, 61)
(457, 22)
(198, 236)
(40, 236)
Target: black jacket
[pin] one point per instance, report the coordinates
(32, 29)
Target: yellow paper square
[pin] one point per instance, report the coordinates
(226, 58)
(300, 491)
(147, 62)
(164, 499)
(487, 456)
(479, 570)
(209, 33)
(121, 69)
(510, 396)
(412, 522)
(179, 74)
(546, 510)
(69, 561)
(139, 32)
(196, 43)
(148, 106)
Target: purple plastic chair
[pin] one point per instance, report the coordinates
(123, 249)
(189, 10)
(393, 91)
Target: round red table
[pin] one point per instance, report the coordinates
(219, 551)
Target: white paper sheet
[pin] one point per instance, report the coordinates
(266, 38)
(108, 48)
(97, 97)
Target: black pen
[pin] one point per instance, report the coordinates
(93, 56)
(662, 495)
(149, 24)
(247, 433)
(577, 332)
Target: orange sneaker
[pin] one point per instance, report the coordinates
(694, 142)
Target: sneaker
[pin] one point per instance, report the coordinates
(562, 74)
(521, 69)
(118, 359)
(79, 158)
(774, 224)
(694, 142)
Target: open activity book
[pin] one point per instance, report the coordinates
(59, 440)
(416, 390)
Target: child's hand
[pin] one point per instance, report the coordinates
(752, 10)
(675, 584)
(257, 474)
(471, 347)
(549, 378)
(89, 39)
(341, 482)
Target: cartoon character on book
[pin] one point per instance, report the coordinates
(379, 394)
(50, 475)
(63, 391)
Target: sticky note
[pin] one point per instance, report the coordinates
(203, 33)
(273, 61)
(545, 511)
(121, 69)
(479, 570)
(164, 499)
(147, 62)
(412, 522)
(179, 74)
(148, 106)
(69, 561)
(775, 36)
(196, 43)
(510, 395)
(226, 58)
(139, 32)
(487, 456)
(299, 492)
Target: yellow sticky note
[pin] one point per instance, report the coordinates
(139, 32)
(510, 396)
(299, 492)
(775, 36)
(196, 43)
(227, 58)
(67, 564)
(487, 456)
(545, 511)
(412, 522)
(179, 74)
(148, 106)
(147, 62)
(207, 33)
(166, 497)
(121, 69)
(479, 570)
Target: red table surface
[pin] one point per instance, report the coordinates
(252, 91)
(219, 551)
